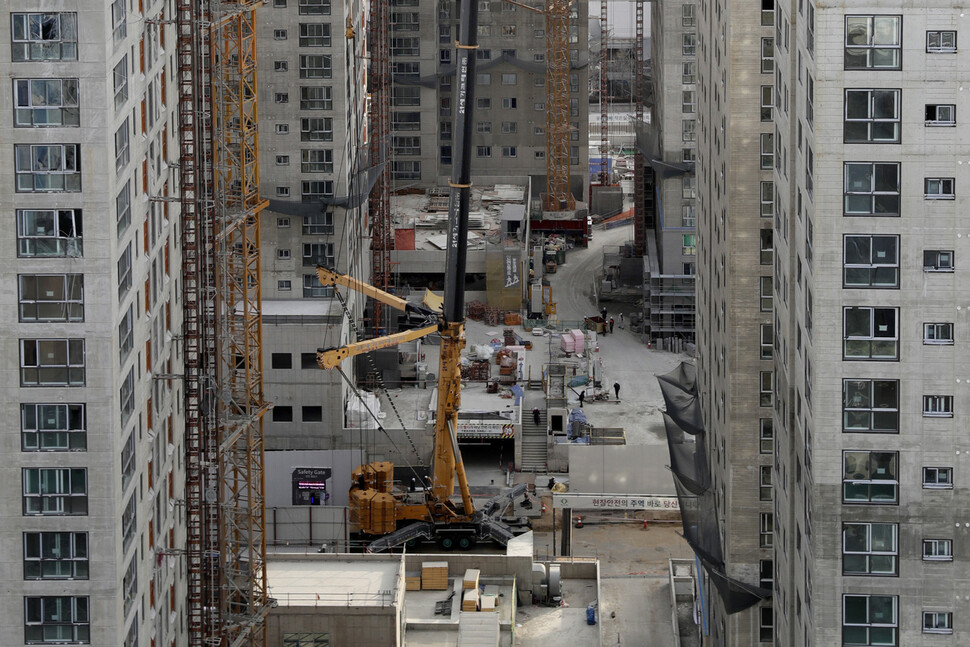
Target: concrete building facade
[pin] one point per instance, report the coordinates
(870, 398)
(672, 243)
(734, 293)
(93, 467)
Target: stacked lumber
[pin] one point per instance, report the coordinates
(469, 600)
(470, 581)
(434, 576)
(488, 603)
(412, 581)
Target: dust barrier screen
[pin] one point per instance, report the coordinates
(686, 441)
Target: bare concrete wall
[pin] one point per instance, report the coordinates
(619, 469)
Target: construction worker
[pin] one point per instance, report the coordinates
(616, 389)
(582, 396)
(535, 416)
(603, 312)
(621, 321)
(611, 325)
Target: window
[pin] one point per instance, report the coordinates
(121, 147)
(873, 42)
(284, 286)
(688, 101)
(509, 103)
(937, 406)
(688, 215)
(127, 471)
(123, 208)
(313, 290)
(767, 246)
(125, 335)
(483, 78)
(316, 66)
(406, 170)
(308, 360)
(282, 192)
(444, 58)
(314, 34)
(129, 584)
(766, 435)
(316, 98)
(508, 30)
(55, 491)
(767, 101)
(48, 232)
(316, 160)
(509, 127)
(51, 297)
(282, 414)
(869, 549)
(539, 155)
(318, 224)
(937, 550)
(282, 97)
(406, 145)
(314, 190)
(508, 79)
(766, 578)
(318, 254)
(767, 299)
(766, 384)
(871, 261)
(872, 188)
(941, 114)
(688, 15)
(689, 73)
(483, 104)
(282, 129)
(48, 167)
(56, 619)
(124, 272)
(767, 199)
(937, 622)
(871, 116)
(764, 483)
(509, 151)
(52, 362)
(314, 7)
(767, 151)
(444, 34)
(937, 260)
(869, 620)
(312, 414)
(689, 245)
(483, 151)
(938, 188)
(767, 529)
(126, 396)
(941, 42)
(306, 640)
(53, 427)
(409, 47)
(767, 340)
(279, 34)
(282, 223)
(689, 44)
(281, 360)
(870, 477)
(406, 70)
(688, 130)
(55, 555)
(119, 21)
(766, 624)
(46, 102)
(938, 478)
(938, 333)
(281, 66)
(44, 37)
(539, 107)
(767, 55)
(870, 405)
(405, 96)
(282, 160)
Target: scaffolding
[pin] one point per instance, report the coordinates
(639, 89)
(378, 131)
(224, 405)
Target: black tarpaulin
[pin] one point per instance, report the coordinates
(679, 389)
(362, 185)
(688, 455)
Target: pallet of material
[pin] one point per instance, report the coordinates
(469, 600)
(412, 581)
(434, 576)
(470, 581)
(488, 602)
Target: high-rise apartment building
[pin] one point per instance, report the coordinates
(870, 526)
(90, 492)
(313, 155)
(510, 91)
(672, 184)
(734, 289)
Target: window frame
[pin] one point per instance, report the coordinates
(873, 268)
(766, 436)
(72, 346)
(939, 188)
(865, 404)
(939, 111)
(68, 168)
(937, 265)
(892, 640)
(316, 66)
(79, 622)
(937, 622)
(71, 303)
(861, 482)
(869, 47)
(24, 105)
(872, 340)
(938, 333)
(872, 122)
(937, 406)
(867, 553)
(314, 7)
(875, 169)
(942, 48)
(67, 49)
(69, 432)
(75, 555)
(766, 525)
(934, 554)
(62, 244)
(72, 500)
(937, 478)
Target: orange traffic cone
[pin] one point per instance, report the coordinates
(579, 521)
(644, 524)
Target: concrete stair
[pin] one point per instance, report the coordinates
(534, 443)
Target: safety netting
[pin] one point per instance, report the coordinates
(687, 444)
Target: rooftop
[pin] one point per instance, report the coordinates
(332, 580)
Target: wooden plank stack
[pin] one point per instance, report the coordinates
(469, 600)
(470, 581)
(434, 576)
(412, 581)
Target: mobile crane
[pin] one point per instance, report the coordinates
(397, 515)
